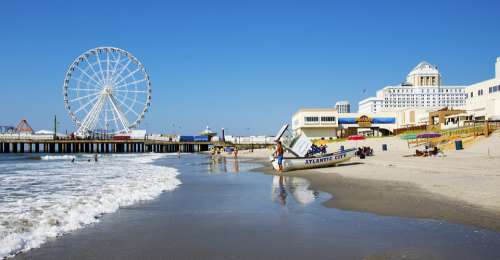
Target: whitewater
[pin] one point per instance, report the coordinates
(41, 199)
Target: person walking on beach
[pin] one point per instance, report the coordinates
(279, 156)
(212, 153)
(235, 152)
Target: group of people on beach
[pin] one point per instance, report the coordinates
(321, 149)
(364, 151)
(428, 152)
(96, 158)
(217, 151)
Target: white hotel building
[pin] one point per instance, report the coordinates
(483, 98)
(343, 106)
(422, 90)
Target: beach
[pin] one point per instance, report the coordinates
(230, 210)
(461, 187)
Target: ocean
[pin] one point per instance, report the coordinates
(47, 196)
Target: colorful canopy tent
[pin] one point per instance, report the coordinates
(428, 135)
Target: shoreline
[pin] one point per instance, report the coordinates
(459, 188)
(393, 198)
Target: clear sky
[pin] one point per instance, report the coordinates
(243, 65)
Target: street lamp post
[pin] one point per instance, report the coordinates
(55, 127)
(251, 139)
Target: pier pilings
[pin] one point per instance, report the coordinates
(100, 146)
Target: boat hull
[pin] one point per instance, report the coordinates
(327, 160)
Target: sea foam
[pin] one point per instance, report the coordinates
(58, 157)
(44, 199)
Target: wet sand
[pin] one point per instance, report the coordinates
(461, 187)
(392, 198)
(224, 211)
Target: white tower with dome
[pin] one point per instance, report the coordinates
(424, 74)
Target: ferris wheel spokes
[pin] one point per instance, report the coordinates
(120, 115)
(92, 68)
(129, 109)
(90, 118)
(121, 71)
(117, 61)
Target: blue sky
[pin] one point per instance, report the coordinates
(243, 65)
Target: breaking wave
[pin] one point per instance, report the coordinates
(44, 199)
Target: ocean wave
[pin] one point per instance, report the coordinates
(57, 157)
(45, 200)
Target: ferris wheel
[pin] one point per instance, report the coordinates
(106, 90)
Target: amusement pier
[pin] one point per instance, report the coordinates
(107, 93)
(23, 139)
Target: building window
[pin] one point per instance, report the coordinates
(328, 119)
(311, 119)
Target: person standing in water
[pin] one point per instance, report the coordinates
(279, 156)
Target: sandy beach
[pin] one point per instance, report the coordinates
(460, 187)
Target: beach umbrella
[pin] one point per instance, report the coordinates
(408, 137)
(356, 137)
